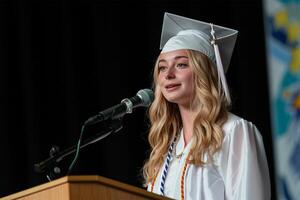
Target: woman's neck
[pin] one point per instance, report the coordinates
(187, 116)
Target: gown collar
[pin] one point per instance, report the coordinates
(180, 149)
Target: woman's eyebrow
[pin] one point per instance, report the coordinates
(176, 58)
(162, 60)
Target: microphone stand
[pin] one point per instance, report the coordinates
(50, 165)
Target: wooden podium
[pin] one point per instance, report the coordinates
(84, 188)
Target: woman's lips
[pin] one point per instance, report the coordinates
(172, 87)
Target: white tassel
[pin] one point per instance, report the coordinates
(222, 83)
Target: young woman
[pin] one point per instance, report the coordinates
(199, 149)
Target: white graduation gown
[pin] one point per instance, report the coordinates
(239, 172)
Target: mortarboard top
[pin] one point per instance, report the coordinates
(225, 37)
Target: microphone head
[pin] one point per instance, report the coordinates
(146, 96)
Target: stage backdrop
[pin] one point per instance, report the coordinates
(282, 22)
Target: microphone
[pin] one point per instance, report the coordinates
(143, 98)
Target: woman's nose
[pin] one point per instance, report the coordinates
(170, 73)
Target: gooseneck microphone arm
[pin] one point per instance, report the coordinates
(50, 166)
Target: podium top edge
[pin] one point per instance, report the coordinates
(81, 179)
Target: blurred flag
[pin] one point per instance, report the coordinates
(282, 29)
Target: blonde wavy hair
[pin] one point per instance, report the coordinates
(166, 122)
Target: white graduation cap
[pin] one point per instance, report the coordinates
(216, 42)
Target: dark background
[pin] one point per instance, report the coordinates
(63, 61)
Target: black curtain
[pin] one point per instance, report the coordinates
(64, 61)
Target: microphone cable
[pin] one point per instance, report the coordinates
(77, 150)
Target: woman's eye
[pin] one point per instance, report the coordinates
(162, 68)
(182, 65)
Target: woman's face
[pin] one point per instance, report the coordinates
(175, 77)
